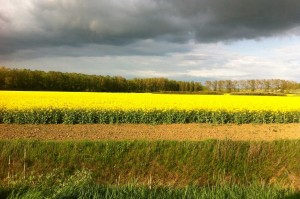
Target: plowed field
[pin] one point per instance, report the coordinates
(179, 132)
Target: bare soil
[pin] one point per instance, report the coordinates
(192, 132)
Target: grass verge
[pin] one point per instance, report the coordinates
(131, 192)
(162, 163)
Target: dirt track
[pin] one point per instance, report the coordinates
(193, 132)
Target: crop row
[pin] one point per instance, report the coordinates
(83, 116)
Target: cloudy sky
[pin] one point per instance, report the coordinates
(179, 39)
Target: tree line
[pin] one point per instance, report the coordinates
(29, 80)
(264, 85)
(34, 80)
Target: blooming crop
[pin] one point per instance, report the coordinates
(12, 100)
(74, 107)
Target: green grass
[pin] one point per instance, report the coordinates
(133, 192)
(81, 185)
(140, 169)
(43, 116)
(166, 163)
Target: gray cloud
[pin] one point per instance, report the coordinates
(51, 23)
(204, 62)
(139, 48)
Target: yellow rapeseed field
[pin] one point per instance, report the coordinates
(17, 100)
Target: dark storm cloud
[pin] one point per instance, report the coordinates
(49, 23)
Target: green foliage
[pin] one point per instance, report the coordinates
(45, 116)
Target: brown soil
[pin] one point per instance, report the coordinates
(193, 132)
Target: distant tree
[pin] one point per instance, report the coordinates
(23, 79)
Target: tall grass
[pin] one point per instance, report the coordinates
(80, 185)
(161, 163)
(132, 192)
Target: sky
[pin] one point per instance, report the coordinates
(184, 40)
